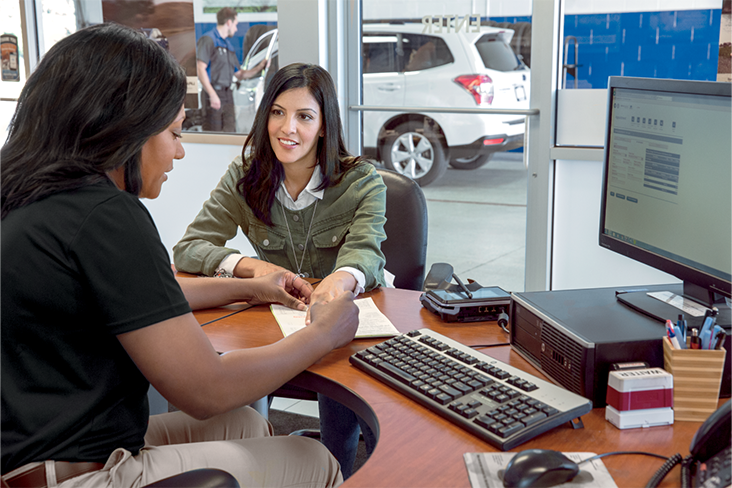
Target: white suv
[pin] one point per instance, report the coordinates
(404, 67)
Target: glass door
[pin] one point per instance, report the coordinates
(446, 90)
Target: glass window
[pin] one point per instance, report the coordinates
(470, 165)
(381, 53)
(497, 54)
(399, 52)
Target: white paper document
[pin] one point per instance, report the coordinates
(485, 470)
(371, 322)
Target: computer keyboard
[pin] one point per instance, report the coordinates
(500, 404)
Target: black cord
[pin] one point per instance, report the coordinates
(664, 470)
(686, 471)
(481, 346)
(598, 456)
(658, 476)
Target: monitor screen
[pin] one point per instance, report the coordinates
(667, 184)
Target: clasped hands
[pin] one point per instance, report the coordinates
(300, 294)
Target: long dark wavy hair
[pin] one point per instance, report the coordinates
(259, 184)
(94, 100)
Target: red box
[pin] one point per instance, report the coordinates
(640, 389)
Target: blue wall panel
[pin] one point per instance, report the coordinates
(680, 44)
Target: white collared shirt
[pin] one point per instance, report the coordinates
(306, 198)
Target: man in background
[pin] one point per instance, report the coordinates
(216, 66)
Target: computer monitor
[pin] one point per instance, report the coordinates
(667, 183)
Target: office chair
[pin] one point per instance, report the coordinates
(198, 478)
(405, 247)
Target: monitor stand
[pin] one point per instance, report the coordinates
(661, 311)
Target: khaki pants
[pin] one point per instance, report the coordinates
(239, 442)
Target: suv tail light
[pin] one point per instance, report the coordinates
(480, 86)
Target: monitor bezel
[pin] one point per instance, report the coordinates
(697, 283)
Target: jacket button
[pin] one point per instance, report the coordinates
(295, 218)
(301, 247)
(265, 242)
(305, 275)
(335, 238)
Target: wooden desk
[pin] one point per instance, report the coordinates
(417, 448)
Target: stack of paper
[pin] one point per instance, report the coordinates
(371, 322)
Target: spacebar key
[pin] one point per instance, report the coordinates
(397, 373)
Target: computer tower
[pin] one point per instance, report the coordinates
(574, 337)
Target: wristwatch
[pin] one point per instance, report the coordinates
(222, 273)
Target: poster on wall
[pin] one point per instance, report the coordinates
(168, 22)
(724, 69)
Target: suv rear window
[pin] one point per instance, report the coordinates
(397, 52)
(496, 54)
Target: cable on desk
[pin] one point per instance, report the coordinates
(482, 346)
(598, 456)
(658, 476)
(664, 470)
(246, 307)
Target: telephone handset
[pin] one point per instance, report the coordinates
(709, 464)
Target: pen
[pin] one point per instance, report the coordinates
(721, 336)
(679, 337)
(672, 335)
(705, 335)
(681, 323)
(465, 289)
(713, 336)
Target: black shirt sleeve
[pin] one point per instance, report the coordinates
(121, 257)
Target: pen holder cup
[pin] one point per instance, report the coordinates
(697, 376)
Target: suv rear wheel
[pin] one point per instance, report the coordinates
(473, 162)
(414, 153)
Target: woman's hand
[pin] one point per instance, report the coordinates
(253, 268)
(330, 288)
(283, 287)
(338, 319)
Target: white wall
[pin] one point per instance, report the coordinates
(578, 261)
(187, 188)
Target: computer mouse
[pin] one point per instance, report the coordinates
(539, 467)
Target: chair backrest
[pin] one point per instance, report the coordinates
(405, 247)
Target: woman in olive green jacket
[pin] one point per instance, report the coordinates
(305, 205)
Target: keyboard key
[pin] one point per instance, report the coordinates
(484, 421)
(510, 429)
(395, 372)
(533, 418)
(450, 391)
(469, 413)
(443, 398)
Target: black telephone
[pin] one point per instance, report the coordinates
(710, 463)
